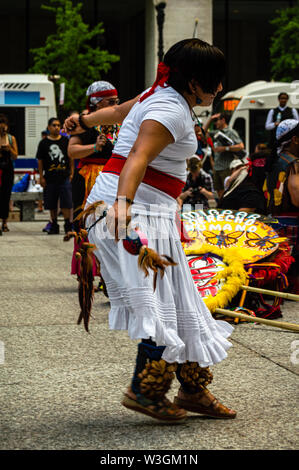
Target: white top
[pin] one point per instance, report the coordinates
(269, 122)
(169, 108)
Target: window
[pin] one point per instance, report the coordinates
(239, 126)
(258, 133)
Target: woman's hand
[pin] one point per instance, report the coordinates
(186, 194)
(101, 141)
(118, 219)
(6, 147)
(71, 125)
(43, 182)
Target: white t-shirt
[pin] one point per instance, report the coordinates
(169, 108)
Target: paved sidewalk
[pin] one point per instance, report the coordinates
(60, 388)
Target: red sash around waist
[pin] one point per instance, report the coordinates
(156, 178)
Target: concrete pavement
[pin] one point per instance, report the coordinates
(60, 388)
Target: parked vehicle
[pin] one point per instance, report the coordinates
(250, 105)
(28, 100)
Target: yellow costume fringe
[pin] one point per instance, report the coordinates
(234, 274)
(90, 173)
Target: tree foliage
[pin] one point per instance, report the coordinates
(69, 53)
(284, 50)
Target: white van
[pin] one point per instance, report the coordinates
(28, 100)
(250, 105)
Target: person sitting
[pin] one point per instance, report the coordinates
(282, 192)
(240, 191)
(259, 164)
(199, 185)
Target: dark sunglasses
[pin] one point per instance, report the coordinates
(112, 101)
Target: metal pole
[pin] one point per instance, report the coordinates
(27, 33)
(226, 26)
(160, 22)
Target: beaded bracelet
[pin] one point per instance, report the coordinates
(124, 198)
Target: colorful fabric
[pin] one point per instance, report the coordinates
(111, 132)
(90, 173)
(274, 185)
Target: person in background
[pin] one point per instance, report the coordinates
(205, 148)
(91, 150)
(40, 204)
(259, 163)
(275, 116)
(282, 192)
(282, 183)
(224, 153)
(8, 152)
(240, 191)
(55, 175)
(199, 185)
(94, 147)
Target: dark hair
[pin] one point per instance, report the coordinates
(51, 120)
(225, 116)
(283, 93)
(3, 119)
(195, 59)
(193, 164)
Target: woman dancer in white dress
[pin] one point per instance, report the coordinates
(144, 176)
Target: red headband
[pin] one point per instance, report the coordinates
(111, 92)
(162, 77)
(101, 94)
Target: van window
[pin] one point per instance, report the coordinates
(258, 133)
(16, 119)
(239, 126)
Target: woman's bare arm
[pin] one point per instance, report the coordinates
(77, 150)
(13, 148)
(293, 185)
(152, 138)
(105, 116)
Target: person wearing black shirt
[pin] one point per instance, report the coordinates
(277, 115)
(55, 175)
(8, 152)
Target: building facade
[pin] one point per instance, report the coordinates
(240, 28)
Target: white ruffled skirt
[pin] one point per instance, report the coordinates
(174, 315)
